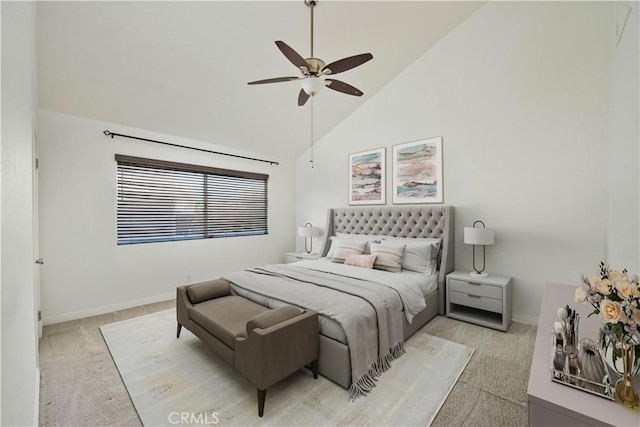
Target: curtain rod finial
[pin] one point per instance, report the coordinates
(108, 133)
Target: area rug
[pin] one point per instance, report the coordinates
(182, 382)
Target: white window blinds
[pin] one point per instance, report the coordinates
(162, 201)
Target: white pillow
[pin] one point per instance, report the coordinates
(412, 239)
(388, 257)
(332, 248)
(421, 254)
(347, 246)
(361, 237)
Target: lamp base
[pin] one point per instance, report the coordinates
(478, 275)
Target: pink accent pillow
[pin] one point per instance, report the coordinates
(364, 261)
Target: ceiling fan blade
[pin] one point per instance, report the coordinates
(293, 56)
(342, 87)
(345, 64)
(302, 97)
(273, 80)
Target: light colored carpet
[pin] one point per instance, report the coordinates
(168, 377)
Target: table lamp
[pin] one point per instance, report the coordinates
(308, 231)
(479, 236)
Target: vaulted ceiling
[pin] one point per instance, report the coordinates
(181, 68)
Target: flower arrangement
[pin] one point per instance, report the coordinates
(615, 297)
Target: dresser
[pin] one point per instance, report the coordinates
(554, 404)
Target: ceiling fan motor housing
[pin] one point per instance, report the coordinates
(315, 65)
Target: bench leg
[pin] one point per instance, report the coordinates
(178, 331)
(314, 368)
(262, 395)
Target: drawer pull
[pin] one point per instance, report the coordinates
(474, 296)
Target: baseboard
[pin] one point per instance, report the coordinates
(106, 309)
(529, 320)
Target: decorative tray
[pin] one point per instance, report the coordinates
(563, 375)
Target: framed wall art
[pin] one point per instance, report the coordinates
(367, 176)
(417, 172)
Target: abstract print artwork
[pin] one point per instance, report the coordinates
(417, 172)
(367, 177)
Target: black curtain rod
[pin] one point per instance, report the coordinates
(112, 134)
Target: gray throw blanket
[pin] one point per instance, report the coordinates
(370, 313)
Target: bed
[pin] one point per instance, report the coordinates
(398, 303)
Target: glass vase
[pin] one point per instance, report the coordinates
(624, 388)
(610, 347)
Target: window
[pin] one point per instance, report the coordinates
(160, 201)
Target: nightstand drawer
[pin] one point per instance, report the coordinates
(477, 289)
(472, 300)
(290, 257)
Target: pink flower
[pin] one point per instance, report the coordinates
(627, 289)
(611, 311)
(617, 275)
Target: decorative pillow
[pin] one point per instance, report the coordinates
(352, 237)
(364, 261)
(346, 246)
(389, 257)
(421, 254)
(269, 318)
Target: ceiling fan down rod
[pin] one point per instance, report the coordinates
(311, 4)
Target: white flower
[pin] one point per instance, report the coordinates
(603, 286)
(579, 295)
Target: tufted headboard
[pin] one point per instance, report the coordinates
(405, 221)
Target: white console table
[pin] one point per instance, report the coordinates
(554, 404)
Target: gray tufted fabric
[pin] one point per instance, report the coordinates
(405, 221)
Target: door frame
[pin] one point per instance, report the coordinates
(36, 239)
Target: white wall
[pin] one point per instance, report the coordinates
(85, 271)
(519, 92)
(20, 375)
(623, 230)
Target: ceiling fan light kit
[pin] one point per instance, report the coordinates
(312, 85)
(315, 71)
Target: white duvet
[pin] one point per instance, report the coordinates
(411, 287)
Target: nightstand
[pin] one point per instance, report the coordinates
(485, 301)
(290, 257)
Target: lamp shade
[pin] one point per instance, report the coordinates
(308, 231)
(479, 236)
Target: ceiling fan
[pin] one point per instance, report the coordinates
(315, 71)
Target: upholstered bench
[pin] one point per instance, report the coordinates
(264, 345)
